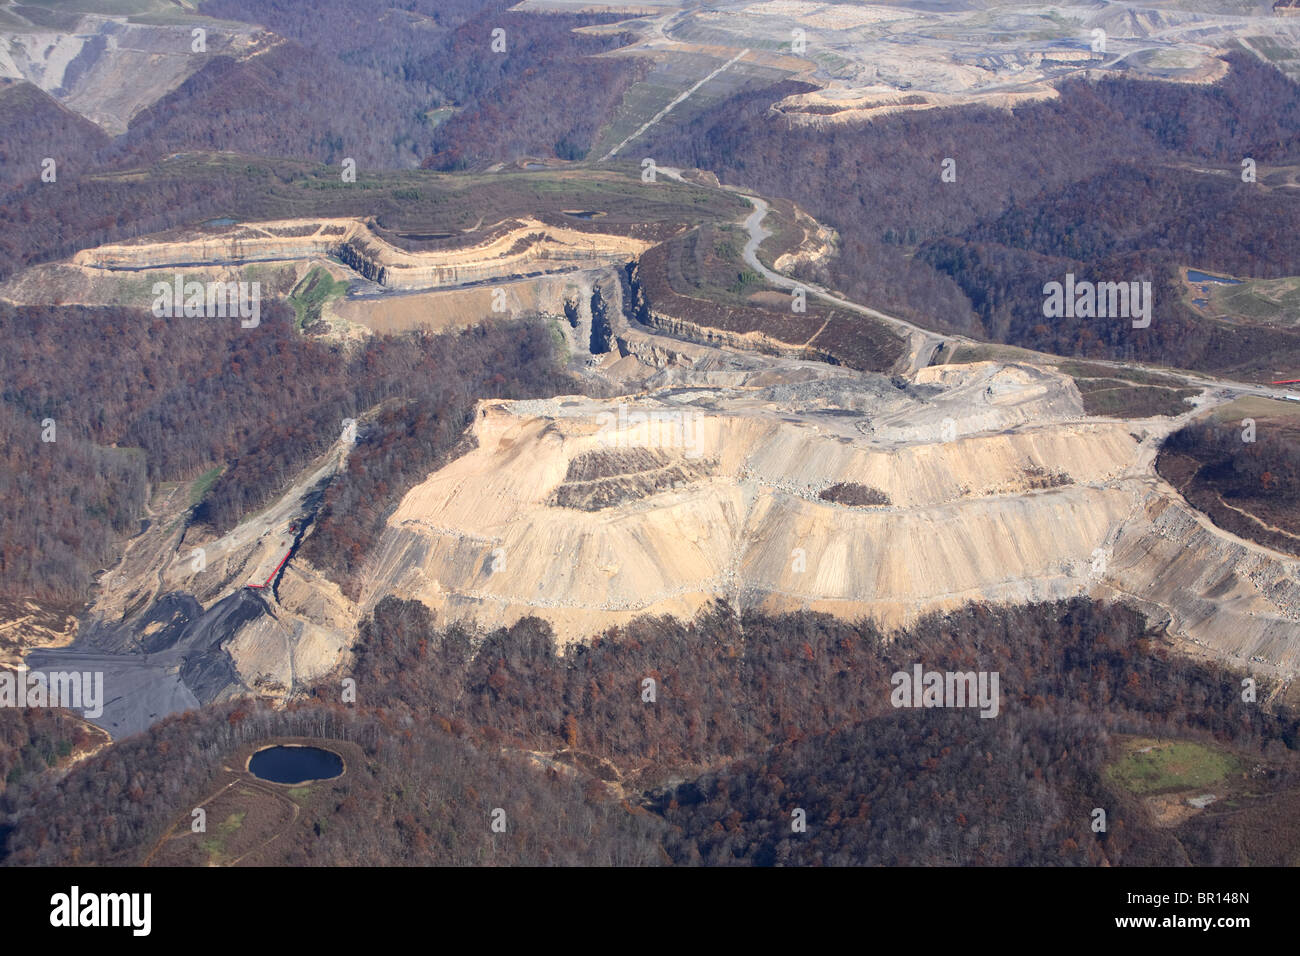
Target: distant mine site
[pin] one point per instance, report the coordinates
(866, 59)
(872, 59)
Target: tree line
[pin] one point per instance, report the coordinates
(753, 716)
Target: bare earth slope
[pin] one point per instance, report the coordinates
(1000, 489)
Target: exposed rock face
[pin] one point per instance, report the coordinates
(818, 245)
(602, 330)
(660, 321)
(1229, 597)
(525, 248)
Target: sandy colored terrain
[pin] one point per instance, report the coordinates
(868, 60)
(999, 490)
(25, 625)
(703, 482)
(529, 246)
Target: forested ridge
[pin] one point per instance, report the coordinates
(759, 714)
(1115, 180)
(391, 87)
(35, 126)
(1245, 475)
(174, 398)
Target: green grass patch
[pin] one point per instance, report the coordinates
(1152, 766)
(1137, 376)
(104, 7)
(747, 281)
(310, 295)
(1262, 409)
(215, 845)
(963, 354)
(1116, 392)
(558, 341)
(1268, 301)
(1273, 49)
(204, 482)
(448, 202)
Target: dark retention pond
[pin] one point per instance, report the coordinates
(295, 764)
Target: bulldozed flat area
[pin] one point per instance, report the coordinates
(867, 60)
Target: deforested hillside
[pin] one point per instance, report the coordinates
(648, 432)
(1245, 476)
(589, 513)
(489, 475)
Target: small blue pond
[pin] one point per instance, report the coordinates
(1195, 275)
(295, 764)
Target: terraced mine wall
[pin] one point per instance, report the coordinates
(660, 505)
(533, 253)
(639, 308)
(531, 248)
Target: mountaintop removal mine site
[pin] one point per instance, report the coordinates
(711, 472)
